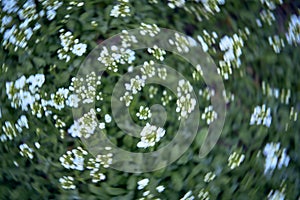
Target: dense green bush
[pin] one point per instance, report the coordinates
(255, 45)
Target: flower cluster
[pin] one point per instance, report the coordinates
(182, 43)
(207, 93)
(228, 96)
(149, 29)
(136, 84)
(25, 92)
(28, 14)
(283, 95)
(185, 103)
(209, 177)
(162, 73)
(293, 34)
(166, 98)
(232, 48)
(276, 195)
(26, 151)
(152, 91)
(10, 130)
(209, 115)
(67, 182)
(261, 115)
(85, 126)
(235, 159)
(275, 157)
(84, 90)
(69, 43)
(142, 184)
(158, 53)
(148, 69)
(111, 58)
(127, 40)
(121, 9)
(203, 194)
(176, 3)
(150, 135)
(212, 6)
(271, 4)
(207, 40)
(276, 42)
(144, 113)
(74, 159)
(188, 196)
(198, 73)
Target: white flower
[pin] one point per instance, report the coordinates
(160, 188)
(261, 115)
(107, 118)
(293, 34)
(23, 122)
(148, 69)
(162, 73)
(209, 177)
(272, 154)
(67, 182)
(127, 98)
(151, 29)
(73, 159)
(277, 195)
(158, 53)
(176, 3)
(188, 196)
(36, 82)
(97, 176)
(144, 113)
(150, 135)
(235, 159)
(105, 160)
(184, 87)
(37, 145)
(73, 101)
(209, 115)
(142, 183)
(185, 105)
(136, 84)
(122, 9)
(20, 83)
(26, 151)
(79, 49)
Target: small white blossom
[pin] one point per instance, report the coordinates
(107, 118)
(67, 182)
(26, 151)
(160, 188)
(73, 159)
(235, 159)
(150, 135)
(136, 84)
(209, 177)
(79, 49)
(261, 115)
(127, 98)
(273, 158)
(176, 3)
(276, 195)
(209, 115)
(150, 29)
(142, 183)
(144, 113)
(188, 196)
(293, 34)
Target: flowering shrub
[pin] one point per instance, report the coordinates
(57, 117)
